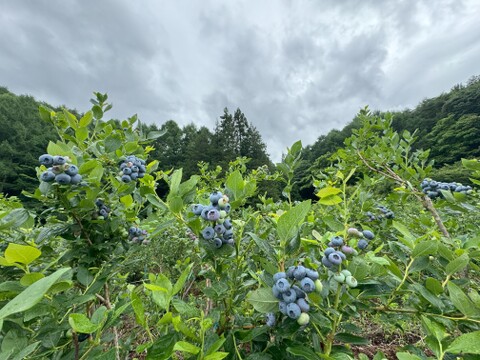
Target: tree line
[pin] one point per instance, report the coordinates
(448, 124)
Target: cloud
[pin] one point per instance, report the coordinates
(297, 69)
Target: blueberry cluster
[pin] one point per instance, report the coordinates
(137, 235)
(59, 170)
(383, 213)
(220, 229)
(432, 188)
(102, 209)
(132, 168)
(291, 288)
(338, 251)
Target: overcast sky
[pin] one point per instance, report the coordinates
(297, 69)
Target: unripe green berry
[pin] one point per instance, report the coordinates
(303, 319)
(346, 272)
(318, 286)
(340, 278)
(351, 281)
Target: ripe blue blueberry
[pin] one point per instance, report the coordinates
(219, 229)
(208, 233)
(282, 307)
(300, 272)
(276, 292)
(282, 285)
(335, 258)
(126, 178)
(270, 319)
(300, 293)
(337, 241)
(127, 171)
(303, 305)
(290, 271)
(197, 209)
(307, 285)
(228, 234)
(368, 234)
(293, 311)
(134, 176)
(278, 276)
(218, 243)
(63, 179)
(47, 176)
(347, 249)
(213, 215)
(289, 296)
(328, 251)
(215, 196)
(312, 274)
(362, 244)
(326, 262)
(46, 159)
(228, 224)
(59, 160)
(72, 170)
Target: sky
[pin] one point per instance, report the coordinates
(296, 69)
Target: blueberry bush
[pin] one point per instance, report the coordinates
(105, 268)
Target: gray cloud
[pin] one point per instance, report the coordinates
(297, 69)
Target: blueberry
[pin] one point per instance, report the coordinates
(293, 311)
(270, 319)
(318, 286)
(337, 241)
(228, 234)
(326, 262)
(215, 196)
(142, 168)
(46, 159)
(276, 292)
(303, 319)
(213, 215)
(362, 244)
(335, 258)
(127, 171)
(300, 293)
(346, 272)
(303, 305)
(197, 209)
(300, 272)
(126, 178)
(282, 285)
(282, 307)
(351, 281)
(278, 276)
(63, 179)
(219, 229)
(289, 296)
(132, 231)
(328, 251)
(347, 249)
(307, 285)
(208, 233)
(290, 271)
(339, 277)
(134, 176)
(342, 255)
(141, 175)
(47, 176)
(227, 207)
(218, 243)
(59, 160)
(99, 202)
(228, 224)
(72, 170)
(368, 234)
(312, 274)
(103, 213)
(134, 169)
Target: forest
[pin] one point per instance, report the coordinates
(125, 240)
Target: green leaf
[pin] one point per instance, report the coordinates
(152, 199)
(408, 238)
(184, 346)
(328, 191)
(112, 143)
(330, 200)
(434, 286)
(175, 204)
(216, 356)
(23, 254)
(81, 134)
(31, 295)
(236, 184)
(26, 351)
(407, 356)
(162, 348)
(423, 248)
(181, 280)
(264, 245)
(351, 339)
(86, 119)
(138, 309)
(215, 346)
(457, 264)
(471, 164)
(434, 329)
(263, 300)
(80, 323)
(467, 343)
(155, 134)
(303, 351)
(29, 279)
(289, 221)
(461, 301)
(175, 182)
